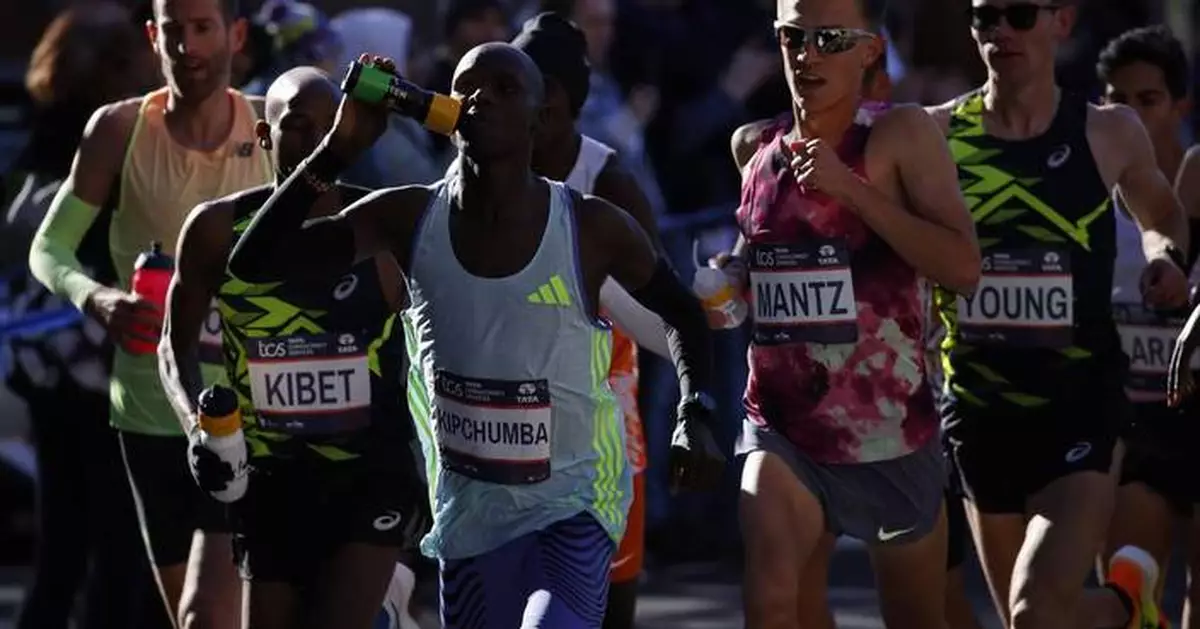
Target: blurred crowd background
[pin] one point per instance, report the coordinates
(671, 80)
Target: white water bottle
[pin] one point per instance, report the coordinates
(221, 434)
(726, 309)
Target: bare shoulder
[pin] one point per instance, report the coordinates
(943, 113)
(745, 140)
(908, 121)
(108, 130)
(1117, 122)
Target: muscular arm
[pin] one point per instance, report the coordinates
(199, 268)
(632, 261)
(280, 244)
(937, 235)
(97, 165)
(1187, 189)
(1145, 190)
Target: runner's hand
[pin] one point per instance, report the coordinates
(1180, 383)
(359, 124)
(127, 317)
(1164, 285)
(213, 474)
(817, 164)
(696, 460)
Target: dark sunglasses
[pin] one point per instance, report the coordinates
(826, 41)
(1021, 16)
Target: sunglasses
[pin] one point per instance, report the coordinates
(826, 41)
(1021, 16)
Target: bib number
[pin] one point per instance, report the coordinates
(310, 384)
(496, 431)
(803, 294)
(211, 351)
(1148, 339)
(1025, 299)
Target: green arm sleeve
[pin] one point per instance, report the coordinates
(52, 258)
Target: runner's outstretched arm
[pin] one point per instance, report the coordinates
(199, 269)
(280, 244)
(1187, 188)
(1146, 191)
(636, 265)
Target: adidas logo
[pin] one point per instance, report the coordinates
(552, 293)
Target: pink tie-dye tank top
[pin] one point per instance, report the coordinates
(837, 356)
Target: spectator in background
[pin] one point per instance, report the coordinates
(608, 115)
(465, 25)
(87, 530)
(714, 66)
(404, 153)
(932, 45)
(300, 35)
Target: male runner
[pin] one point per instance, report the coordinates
(522, 436)
(334, 492)
(562, 153)
(845, 208)
(1147, 69)
(1032, 359)
(165, 152)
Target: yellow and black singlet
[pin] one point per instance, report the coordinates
(1038, 331)
(318, 365)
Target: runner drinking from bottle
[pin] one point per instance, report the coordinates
(1147, 69)
(523, 438)
(163, 153)
(1032, 359)
(844, 210)
(334, 492)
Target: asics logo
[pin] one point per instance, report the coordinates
(887, 536)
(386, 522)
(1077, 453)
(1059, 157)
(345, 287)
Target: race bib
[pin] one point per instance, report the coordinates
(497, 431)
(211, 351)
(803, 294)
(1024, 299)
(310, 384)
(1148, 339)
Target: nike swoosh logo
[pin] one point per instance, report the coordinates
(887, 536)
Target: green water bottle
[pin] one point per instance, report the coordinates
(368, 83)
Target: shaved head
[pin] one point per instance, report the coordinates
(506, 57)
(301, 106)
(295, 85)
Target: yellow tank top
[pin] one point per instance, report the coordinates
(161, 182)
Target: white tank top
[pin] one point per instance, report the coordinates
(593, 156)
(1146, 337)
(510, 392)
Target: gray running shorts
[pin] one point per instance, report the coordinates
(884, 502)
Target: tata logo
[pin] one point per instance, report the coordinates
(272, 349)
(527, 388)
(827, 251)
(1051, 257)
(346, 339)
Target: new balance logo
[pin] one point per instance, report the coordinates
(552, 293)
